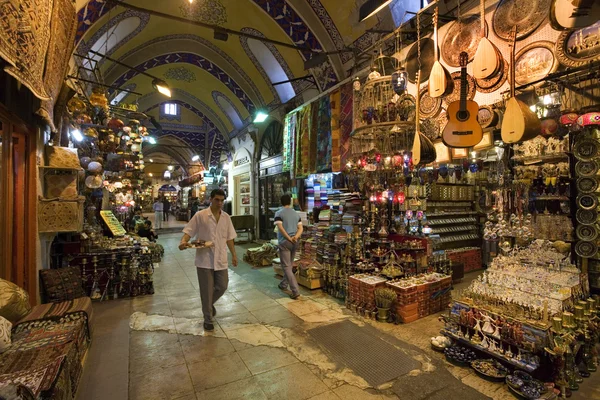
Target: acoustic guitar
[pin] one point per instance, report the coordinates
(486, 62)
(423, 150)
(440, 82)
(574, 14)
(462, 129)
(519, 122)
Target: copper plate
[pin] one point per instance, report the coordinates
(526, 15)
(587, 232)
(462, 35)
(427, 60)
(429, 106)
(495, 82)
(586, 168)
(534, 62)
(455, 95)
(587, 216)
(578, 47)
(586, 249)
(587, 184)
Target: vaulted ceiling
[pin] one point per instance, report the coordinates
(219, 84)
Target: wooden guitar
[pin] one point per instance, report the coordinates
(440, 82)
(519, 122)
(423, 150)
(574, 14)
(486, 62)
(462, 129)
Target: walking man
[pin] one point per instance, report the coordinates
(214, 225)
(158, 213)
(166, 209)
(289, 230)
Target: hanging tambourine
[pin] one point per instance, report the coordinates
(589, 216)
(587, 201)
(587, 184)
(586, 249)
(587, 232)
(586, 168)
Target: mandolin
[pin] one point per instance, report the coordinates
(462, 129)
(519, 122)
(574, 14)
(423, 151)
(440, 82)
(486, 62)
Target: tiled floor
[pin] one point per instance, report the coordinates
(154, 347)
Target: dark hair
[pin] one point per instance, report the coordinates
(148, 222)
(217, 192)
(286, 200)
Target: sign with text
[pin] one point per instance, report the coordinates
(112, 222)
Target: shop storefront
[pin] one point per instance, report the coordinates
(242, 187)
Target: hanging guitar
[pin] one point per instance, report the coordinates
(462, 129)
(440, 82)
(519, 122)
(423, 151)
(574, 14)
(486, 62)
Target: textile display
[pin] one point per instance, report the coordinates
(14, 301)
(62, 39)
(62, 284)
(60, 215)
(323, 136)
(286, 144)
(303, 143)
(63, 186)
(39, 381)
(62, 157)
(335, 100)
(293, 139)
(346, 121)
(313, 135)
(16, 391)
(24, 40)
(54, 311)
(5, 328)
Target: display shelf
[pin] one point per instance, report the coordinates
(445, 222)
(448, 214)
(544, 158)
(59, 168)
(447, 240)
(463, 229)
(510, 361)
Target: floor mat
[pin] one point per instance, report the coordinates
(371, 358)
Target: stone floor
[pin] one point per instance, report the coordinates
(154, 347)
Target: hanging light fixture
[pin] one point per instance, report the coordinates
(261, 116)
(167, 174)
(161, 86)
(76, 133)
(370, 8)
(196, 157)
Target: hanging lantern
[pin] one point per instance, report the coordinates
(356, 84)
(135, 148)
(98, 98)
(401, 197)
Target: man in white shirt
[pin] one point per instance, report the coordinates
(158, 213)
(211, 225)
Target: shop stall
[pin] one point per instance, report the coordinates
(242, 184)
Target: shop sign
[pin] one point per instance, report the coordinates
(112, 222)
(131, 107)
(241, 161)
(209, 179)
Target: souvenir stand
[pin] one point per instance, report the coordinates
(106, 155)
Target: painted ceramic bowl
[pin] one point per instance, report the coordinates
(95, 167)
(591, 118)
(568, 118)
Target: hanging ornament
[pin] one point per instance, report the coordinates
(356, 84)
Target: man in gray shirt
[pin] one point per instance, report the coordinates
(289, 230)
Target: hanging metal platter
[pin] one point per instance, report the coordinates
(487, 116)
(429, 106)
(534, 62)
(578, 47)
(587, 216)
(587, 232)
(526, 15)
(587, 201)
(455, 95)
(587, 184)
(586, 149)
(462, 35)
(586, 249)
(427, 60)
(586, 168)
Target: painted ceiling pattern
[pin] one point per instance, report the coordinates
(300, 27)
(193, 59)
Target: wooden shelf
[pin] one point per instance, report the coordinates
(60, 168)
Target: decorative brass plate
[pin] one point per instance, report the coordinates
(534, 62)
(526, 15)
(578, 47)
(462, 35)
(455, 95)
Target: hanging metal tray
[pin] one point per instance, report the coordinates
(455, 95)
(462, 35)
(586, 168)
(429, 106)
(526, 15)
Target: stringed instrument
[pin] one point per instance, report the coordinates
(519, 122)
(574, 14)
(423, 150)
(486, 62)
(440, 82)
(462, 129)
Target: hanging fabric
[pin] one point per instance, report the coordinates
(286, 144)
(293, 131)
(313, 135)
(335, 101)
(323, 137)
(346, 119)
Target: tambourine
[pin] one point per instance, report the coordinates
(586, 149)
(587, 184)
(586, 249)
(588, 233)
(587, 201)
(586, 168)
(587, 216)
(591, 118)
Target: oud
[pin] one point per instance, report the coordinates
(462, 129)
